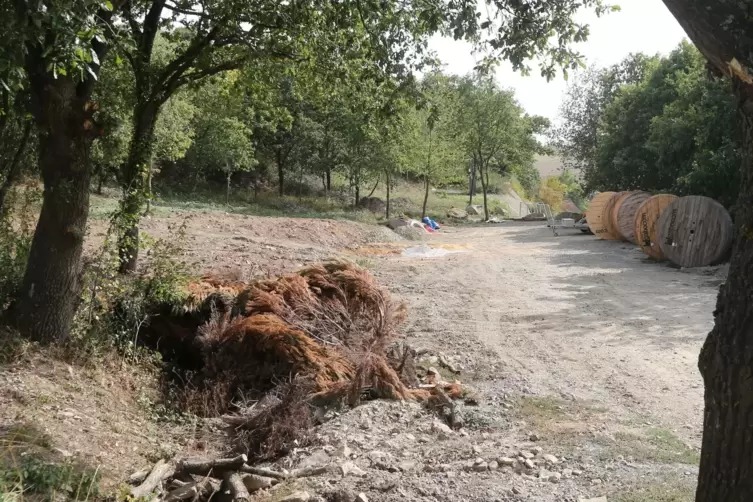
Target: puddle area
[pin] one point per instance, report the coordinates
(426, 251)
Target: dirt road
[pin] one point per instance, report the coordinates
(578, 343)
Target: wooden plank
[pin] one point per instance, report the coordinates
(695, 231)
(645, 225)
(626, 214)
(594, 216)
(609, 214)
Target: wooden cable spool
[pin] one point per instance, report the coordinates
(626, 214)
(645, 226)
(609, 214)
(594, 216)
(695, 231)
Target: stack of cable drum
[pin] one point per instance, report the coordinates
(691, 231)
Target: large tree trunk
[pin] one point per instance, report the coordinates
(721, 31)
(51, 286)
(14, 168)
(134, 178)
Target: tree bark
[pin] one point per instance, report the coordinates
(329, 178)
(51, 286)
(721, 31)
(14, 167)
(426, 196)
(134, 177)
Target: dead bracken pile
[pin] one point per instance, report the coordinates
(324, 336)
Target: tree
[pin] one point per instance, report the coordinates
(493, 126)
(428, 139)
(15, 138)
(54, 53)
(721, 31)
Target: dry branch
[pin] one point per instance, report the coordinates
(161, 471)
(263, 472)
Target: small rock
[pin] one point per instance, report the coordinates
(555, 477)
(550, 458)
(493, 465)
(319, 457)
(596, 481)
(362, 497)
(526, 454)
(537, 450)
(407, 466)
(351, 469)
(344, 451)
(567, 473)
(507, 461)
(441, 428)
(476, 449)
(481, 467)
(597, 499)
(516, 490)
(534, 437)
(297, 497)
(576, 472)
(529, 464)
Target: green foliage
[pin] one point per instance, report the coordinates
(49, 481)
(552, 192)
(16, 232)
(655, 124)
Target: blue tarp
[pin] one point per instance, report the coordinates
(431, 223)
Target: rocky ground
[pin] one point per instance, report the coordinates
(581, 355)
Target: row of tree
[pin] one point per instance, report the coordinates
(654, 123)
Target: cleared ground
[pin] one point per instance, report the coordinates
(577, 346)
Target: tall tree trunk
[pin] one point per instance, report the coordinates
(51, 286)
(134, 177)
(387, 205)
(149, 174)
(484, 182)
(100, 181)
(329, 178)
(227, 189)
(379, 178)
(14, 167)
(426, 196)
(358, 193)
(280, 171)
(472, 182)
(721, 31)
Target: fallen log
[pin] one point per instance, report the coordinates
(237, 488)
(255, 482)
(189, 491)
(161, 471)
(203, 467)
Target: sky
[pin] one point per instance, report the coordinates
(641, 26)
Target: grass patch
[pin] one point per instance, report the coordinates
(664, 492)
(30, 468)
(652, 445)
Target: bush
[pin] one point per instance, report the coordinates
(552, 192)
(16, 232)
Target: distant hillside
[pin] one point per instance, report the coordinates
(548, 165)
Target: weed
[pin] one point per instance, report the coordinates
(680, 491)
(653, 445)
(27, 467)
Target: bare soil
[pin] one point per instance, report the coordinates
(576, 347)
